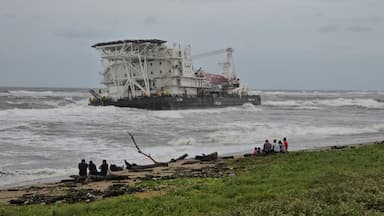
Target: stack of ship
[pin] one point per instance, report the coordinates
(150, 75)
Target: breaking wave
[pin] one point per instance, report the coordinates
(24, 177)
(321, 93)
(182, 141)
(338, 102)
(254, 134)
(23, 99)
(43, 94)
(168, 114)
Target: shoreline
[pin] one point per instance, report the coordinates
(51, 180)
(60, 185)
(54, 179)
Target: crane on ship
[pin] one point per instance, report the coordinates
(228, 69)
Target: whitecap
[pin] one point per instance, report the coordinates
(182, 141)
(337, 102)
(168, 114)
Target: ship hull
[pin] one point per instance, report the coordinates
(174, 103)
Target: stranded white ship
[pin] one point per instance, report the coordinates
(148, 74)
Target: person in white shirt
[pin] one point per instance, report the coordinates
(275, 146)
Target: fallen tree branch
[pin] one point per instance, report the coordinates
(139, 150)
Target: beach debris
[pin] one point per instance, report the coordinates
(248, 155)
(71, 190)
(120, 189)
(338, 147)
(190, 162)
(72, 196)
(90, 178)
(115, 168)
(12, 189)
(137, 168)
(76, 195)
(209, 157)
(227, 157)
(182, 157)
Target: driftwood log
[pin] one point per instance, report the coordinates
(137, 168)
(182, 157)
(209, 157)
(81, 179)
(228, 157)
(338, 147)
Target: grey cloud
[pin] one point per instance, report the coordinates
(150, 20)
(368, 20)
(204, 1)
(329, 28)
(8, 15)
(359, 28)
(80, 33)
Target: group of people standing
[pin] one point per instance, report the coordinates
(91, 167)
(275, 147)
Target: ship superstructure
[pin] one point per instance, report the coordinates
(138, 70)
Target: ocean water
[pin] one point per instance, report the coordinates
(45, 132)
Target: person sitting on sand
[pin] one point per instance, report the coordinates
(285, 142)
(275, 146)
(83, 168)
(104, 168)
(267, 147)
(92, 168)
(282, 148)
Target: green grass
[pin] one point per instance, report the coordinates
(342, 182)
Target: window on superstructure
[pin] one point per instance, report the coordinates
(161, 71)
(152, 72)
(160, 63)
(169, 71)
(150, 63)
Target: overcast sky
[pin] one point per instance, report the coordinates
(279, 44)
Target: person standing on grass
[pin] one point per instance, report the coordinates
(83, 168)
(285, 142)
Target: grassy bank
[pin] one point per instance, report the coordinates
(337, 182)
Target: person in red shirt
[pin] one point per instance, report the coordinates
(285, 142)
